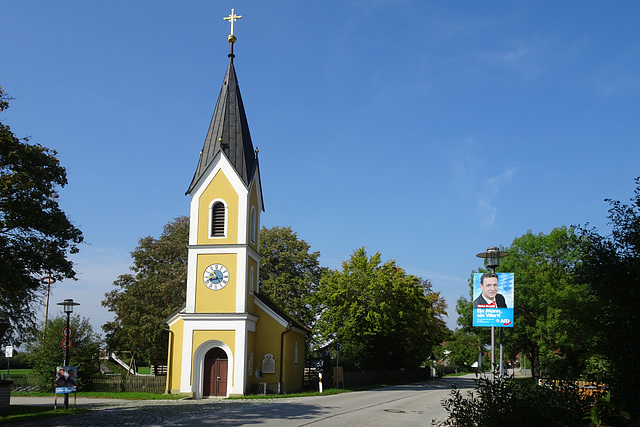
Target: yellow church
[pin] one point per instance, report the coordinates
(228, 339)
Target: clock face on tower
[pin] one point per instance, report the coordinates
(216, 277)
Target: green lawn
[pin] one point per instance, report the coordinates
(16, 371)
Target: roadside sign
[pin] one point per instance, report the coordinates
(8, 351)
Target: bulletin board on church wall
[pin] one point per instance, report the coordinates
(493, 300)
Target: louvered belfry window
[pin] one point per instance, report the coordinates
(217, 219)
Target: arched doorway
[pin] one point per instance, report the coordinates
(215, 373)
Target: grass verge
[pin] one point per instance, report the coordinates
(328, 392)
(128, 395)
(25, 413)
(16, 372)
(457, 374)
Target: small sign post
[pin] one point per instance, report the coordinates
(8, 353)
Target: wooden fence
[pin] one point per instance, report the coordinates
(23, 381)
(114, 383)
(141, 384)
(590, 390)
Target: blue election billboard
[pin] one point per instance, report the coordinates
(66, 377)
(493, 299)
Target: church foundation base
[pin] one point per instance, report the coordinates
(176, 392)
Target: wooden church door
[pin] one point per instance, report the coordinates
(215, 373)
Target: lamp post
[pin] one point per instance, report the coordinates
(68, 308)
(491, 261)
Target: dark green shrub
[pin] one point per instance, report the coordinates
(507, 403)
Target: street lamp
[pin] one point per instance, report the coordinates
(68, 308)
(491, 261)
(492, 257)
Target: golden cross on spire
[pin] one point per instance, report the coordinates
(232, 18)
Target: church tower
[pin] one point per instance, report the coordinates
(228, 339)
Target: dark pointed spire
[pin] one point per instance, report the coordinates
(229, 130)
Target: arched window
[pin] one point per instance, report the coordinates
(252, 225)
(218, 219)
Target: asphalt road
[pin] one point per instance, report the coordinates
(405, 405)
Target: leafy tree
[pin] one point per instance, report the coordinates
(145, 298)
(382, 317)
(462, 349)
(19, 360)
(464, 308)
(46, 352)
(289, 273)
(549, 302)
(36, 237)
(611, 270)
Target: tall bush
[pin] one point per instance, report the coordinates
(46, 351)
(507, 403)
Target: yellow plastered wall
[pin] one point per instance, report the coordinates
(267, 340)
(174, 361)
(293, 376)
(227, 337)
(218, 188)
(220, 301)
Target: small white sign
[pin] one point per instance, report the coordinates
(8, 351)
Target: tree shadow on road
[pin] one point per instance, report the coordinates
(437, 384)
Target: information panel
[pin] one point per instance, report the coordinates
(493, 299)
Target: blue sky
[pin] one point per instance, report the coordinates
(425, 130)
